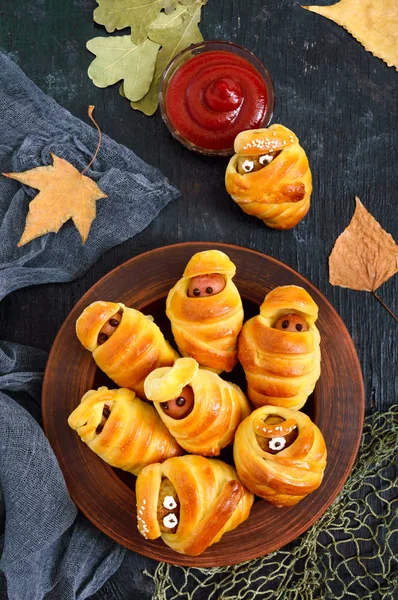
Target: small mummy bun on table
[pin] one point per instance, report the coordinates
(190, 502)
(201, 410)
(125, 344)
(269, 176)
(280, 455)
(124, 431)
(205, 310)
(279, 349)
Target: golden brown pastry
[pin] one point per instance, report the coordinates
(201, 410)
(269, 176)
(190, 502)
(122, 429)
(279, 349)
(126, 344)
(205, 310)
(280, 455)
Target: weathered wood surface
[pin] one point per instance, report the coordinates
(340, 100)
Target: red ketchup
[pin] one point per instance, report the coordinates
(213, 96)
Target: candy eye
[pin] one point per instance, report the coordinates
(180, 401)
(169, 503)
(285, 324)
(170, 521)
(247, 166)
(265, 159)
(102, 338)
(277, 443)
(209, 290)
(299, 327)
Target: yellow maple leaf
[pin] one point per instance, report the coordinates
(373, 23)
(364, 255)
(64, 194)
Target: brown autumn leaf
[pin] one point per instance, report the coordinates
(64, 194)
(364, 255)
(373, 23)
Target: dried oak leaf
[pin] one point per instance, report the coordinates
(364, 255)
(64, 194)
(373, 23)
(118, 58)
(137, 14)
(174, 32)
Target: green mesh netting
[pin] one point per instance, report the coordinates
(350, 552)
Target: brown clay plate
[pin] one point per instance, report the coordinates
(106, 495)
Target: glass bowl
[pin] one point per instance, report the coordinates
(195, 50)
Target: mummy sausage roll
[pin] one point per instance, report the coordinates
(201, 410)
(280, 455)
(205, 310)
(118, 426)
(279, 349)
(190, 502)
(269, 176)
(125, 344)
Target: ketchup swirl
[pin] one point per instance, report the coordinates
(213, 96)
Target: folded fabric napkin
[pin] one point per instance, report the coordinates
(32, 126)
(47, 549)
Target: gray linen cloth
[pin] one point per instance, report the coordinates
(31, 126)
(48, 550)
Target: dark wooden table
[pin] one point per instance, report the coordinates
(340, 101)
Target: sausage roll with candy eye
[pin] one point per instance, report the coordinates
(280, 455)
(269, 176)
(205, 310)
(125, 344)
(190, 502)
(122, 429)
(279, 349)
(201, 410)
